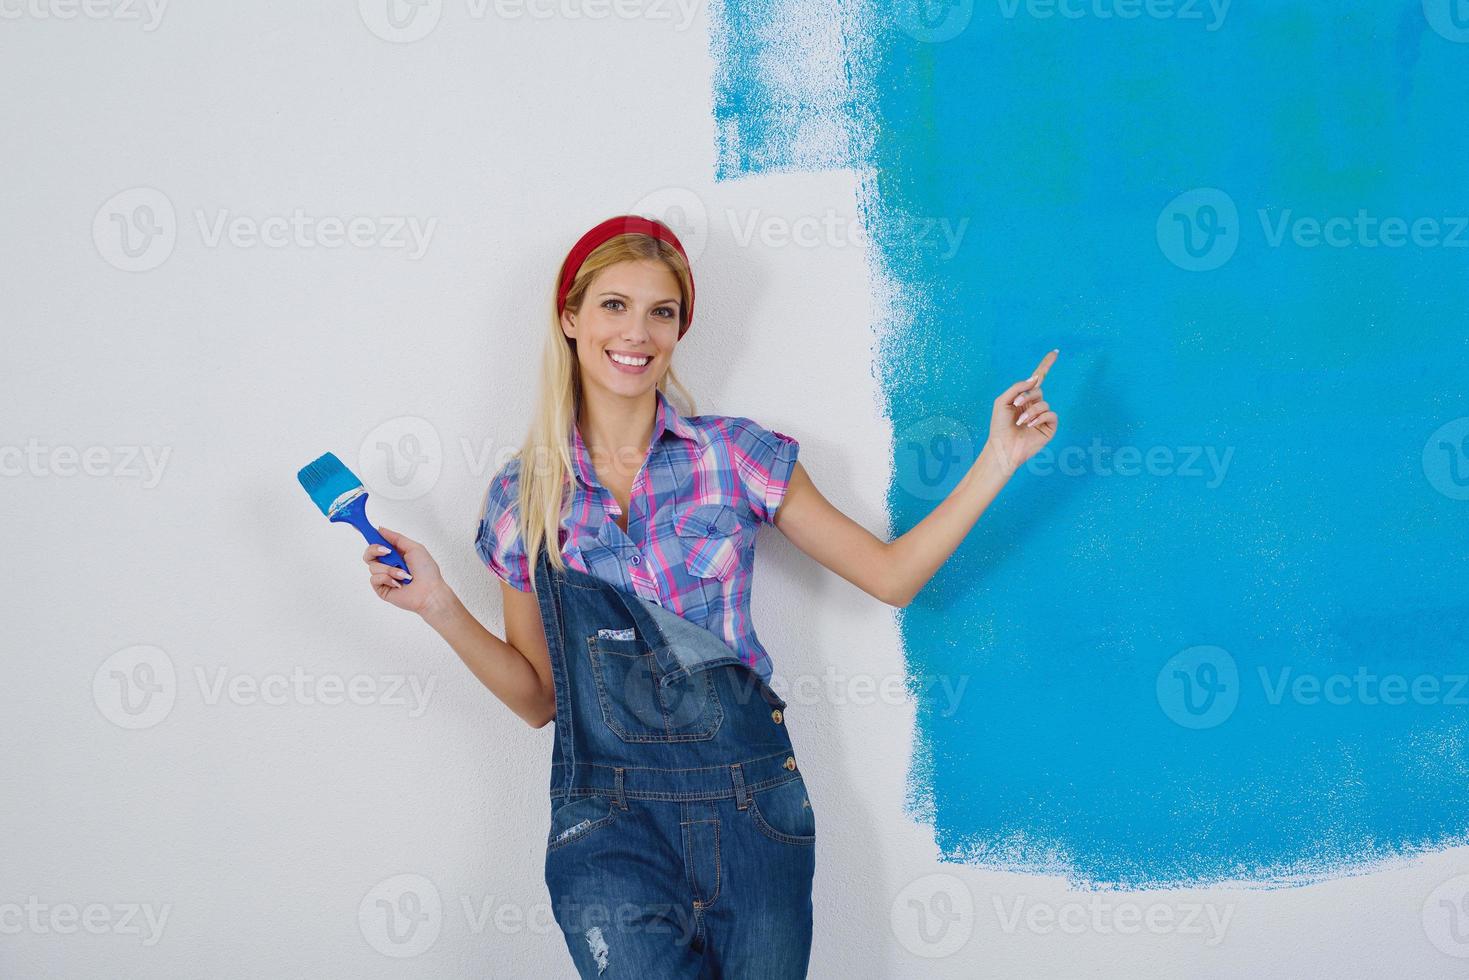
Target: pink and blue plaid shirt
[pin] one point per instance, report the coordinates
(707, 484)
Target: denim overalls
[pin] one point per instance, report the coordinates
(682, 839)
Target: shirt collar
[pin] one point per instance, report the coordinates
(666, 421)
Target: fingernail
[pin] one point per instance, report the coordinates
(1018, 399)
(1022, 418)
(1032, 422)
(382, 551)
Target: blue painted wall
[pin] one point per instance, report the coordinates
(1178, 629)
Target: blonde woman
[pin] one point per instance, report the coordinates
(682, 836)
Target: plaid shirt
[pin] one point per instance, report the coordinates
(707, 484)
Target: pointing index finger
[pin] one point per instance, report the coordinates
(1045, 365)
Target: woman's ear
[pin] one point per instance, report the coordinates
(568, 323)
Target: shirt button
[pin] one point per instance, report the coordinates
(790, 762)
(636, 559)
(712, 528)
(776, 716)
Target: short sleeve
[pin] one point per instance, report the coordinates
(764, 459)
(498, 540)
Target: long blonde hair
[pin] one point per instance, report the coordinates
(544, 484)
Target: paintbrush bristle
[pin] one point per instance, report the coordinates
(326, 480)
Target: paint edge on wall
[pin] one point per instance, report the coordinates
(793, 93)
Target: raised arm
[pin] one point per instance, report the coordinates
(1021, 422)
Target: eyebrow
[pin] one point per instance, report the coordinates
(613, 292)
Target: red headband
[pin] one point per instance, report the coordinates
(621, 225)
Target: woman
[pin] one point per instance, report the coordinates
(681, 836)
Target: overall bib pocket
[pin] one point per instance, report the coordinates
(783, 813)
(635, 706)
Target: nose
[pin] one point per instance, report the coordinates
(635, 329)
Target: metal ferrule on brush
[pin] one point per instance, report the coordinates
(341, 503)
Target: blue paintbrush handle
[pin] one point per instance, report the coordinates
(355, 513)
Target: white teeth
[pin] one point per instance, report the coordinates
(629, 361)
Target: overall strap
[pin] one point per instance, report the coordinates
(548, 594)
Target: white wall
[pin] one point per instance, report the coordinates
(257, 830)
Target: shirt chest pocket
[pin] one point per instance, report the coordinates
(712, 537)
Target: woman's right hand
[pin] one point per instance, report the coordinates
(427, 584)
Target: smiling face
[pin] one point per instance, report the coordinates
(627, 327)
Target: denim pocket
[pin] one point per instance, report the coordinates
(574, 820)
(636, 707)
(783, 813)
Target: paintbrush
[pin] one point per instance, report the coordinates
(343, 499)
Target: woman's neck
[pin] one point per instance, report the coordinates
(617, 430)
